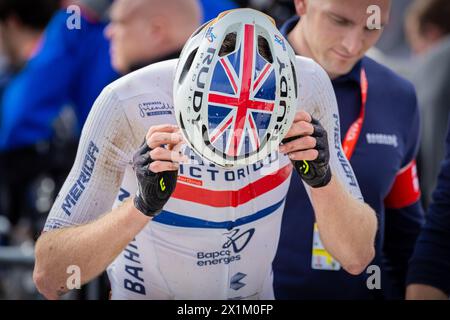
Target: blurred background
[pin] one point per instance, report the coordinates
(53, 64)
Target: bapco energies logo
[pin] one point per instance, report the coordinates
(236, 242)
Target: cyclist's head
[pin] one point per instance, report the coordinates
(144, 30)
(235, 88)
(337, 33)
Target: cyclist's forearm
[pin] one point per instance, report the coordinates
(90, 247)
(347, 226)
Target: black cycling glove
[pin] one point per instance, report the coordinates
(315, 173)
(154, 189)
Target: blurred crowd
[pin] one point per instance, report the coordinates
(56, 56)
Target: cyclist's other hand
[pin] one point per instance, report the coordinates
(156, 165)
(306, 144)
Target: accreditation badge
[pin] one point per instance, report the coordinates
(321, 259)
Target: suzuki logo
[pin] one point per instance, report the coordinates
(239, 242)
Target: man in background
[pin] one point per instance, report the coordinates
(57, 68)
(22, 25)
(428, 274)
(380, 125)
(142, 32)
(428, 30)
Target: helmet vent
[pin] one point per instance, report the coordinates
(187, 65)
(264, 49)
(228, 44)
(294, 74)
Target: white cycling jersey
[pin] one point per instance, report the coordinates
(217, 235)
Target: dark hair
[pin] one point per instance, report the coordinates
(229, 45)
(33, 13)
(432, 12)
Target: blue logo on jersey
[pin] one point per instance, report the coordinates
(238, 241)
(235, 240)
(198, 169)
(342, 159)
(85, 176)
(123, 195)
(53, 224)
(135, 283)
(235, 281)
(155, 108)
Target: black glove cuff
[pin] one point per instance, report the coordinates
(315, 176)
(316, 173)
(325, 181)
(140, 205)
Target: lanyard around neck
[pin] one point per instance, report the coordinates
(353, 133)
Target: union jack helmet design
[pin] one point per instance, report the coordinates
(235, 88)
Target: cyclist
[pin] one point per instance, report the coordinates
(215, 235)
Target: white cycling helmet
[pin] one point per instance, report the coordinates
(235, 88)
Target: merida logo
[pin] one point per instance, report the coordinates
(79, 186)
(351, 179)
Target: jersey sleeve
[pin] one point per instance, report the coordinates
(405, 190)
(106, 145)
(317, 97)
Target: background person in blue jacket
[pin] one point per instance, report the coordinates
(428, 31)
(381, 141)
(66, 70)
(212, 8)
(58, 67)
(429, 270)
(57, 74)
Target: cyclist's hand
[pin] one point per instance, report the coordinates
(156, 166)
(306, 144)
